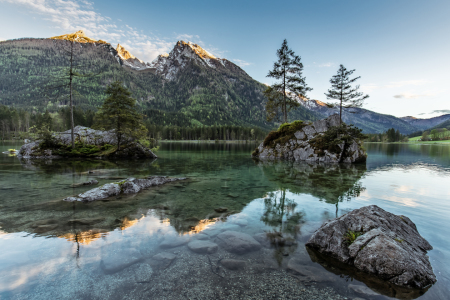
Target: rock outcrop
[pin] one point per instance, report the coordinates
(379, 243)
(86, 136)
(314, 142)
(128, 186)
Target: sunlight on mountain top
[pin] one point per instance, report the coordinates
(198, 50)
(79, 37)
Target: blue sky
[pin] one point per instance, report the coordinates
(400, 48)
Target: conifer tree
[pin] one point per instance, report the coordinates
(288, 70)
(342, 91)
(119, 112)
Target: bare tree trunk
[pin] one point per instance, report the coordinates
(284, 96)
(71, 100)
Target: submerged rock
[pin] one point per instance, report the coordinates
(233, 264)
(117, 261)
(91, 182)
(379, 243)
(203, 247)
(128, 186)
(237, 242)
(316, 142)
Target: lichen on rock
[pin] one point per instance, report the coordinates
(321, 141)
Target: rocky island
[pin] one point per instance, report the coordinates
(320, 141)
(88, 143)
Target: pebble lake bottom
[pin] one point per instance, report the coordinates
(167, 242)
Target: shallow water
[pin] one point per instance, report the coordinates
(53, 249)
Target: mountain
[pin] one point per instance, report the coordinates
(188, 86)
(424, 124)
(368, 121)
(79, 37)
(445, 124)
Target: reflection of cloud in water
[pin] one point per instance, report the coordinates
(402, 200)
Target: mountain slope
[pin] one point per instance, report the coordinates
(188, 83)
(368, 121)
(424, 124)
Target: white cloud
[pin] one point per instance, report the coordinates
(241, 63)
(68, 16)
(326, 65)
(71, 15)
(413, 96)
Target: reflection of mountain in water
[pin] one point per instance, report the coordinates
(188, 206)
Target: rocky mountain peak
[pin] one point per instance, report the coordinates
(79, 37)
(124, 53)
(197, 49)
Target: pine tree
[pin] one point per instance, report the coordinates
(118, 112)
(342, 91)
(288, 70)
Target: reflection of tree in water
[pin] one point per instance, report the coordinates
(332, 183)
(280, 213)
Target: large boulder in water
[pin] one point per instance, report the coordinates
(380, 243)
(321, 141)
(86, 136)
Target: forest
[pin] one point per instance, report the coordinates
(19, 124)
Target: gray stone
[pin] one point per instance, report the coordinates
(237, 242)
(263, 239)
(91, 137)
(203, 247)
(300, 135)
(308, 273)
(171, 242)
(202, 236)
(91, 182)
(128, 186)
(162, 260)
(233, 264)
(390, 246)
(363, 290)
(118, 260)
(143, 272)
(300, 149)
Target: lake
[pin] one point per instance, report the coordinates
(136, 246)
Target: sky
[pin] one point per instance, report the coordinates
(400, 48)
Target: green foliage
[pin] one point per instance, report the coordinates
(335, 136)
(391, 136)
(288, 70)
(119, 113)
(343, 92)
(284, 133)
(350, 236)
(211, 97)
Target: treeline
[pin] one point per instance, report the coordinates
(389, 136)
(438, 134)
(219, 132)
(17, 123)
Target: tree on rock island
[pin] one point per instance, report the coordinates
(281, 95)
(342, 91)
(119, 113)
